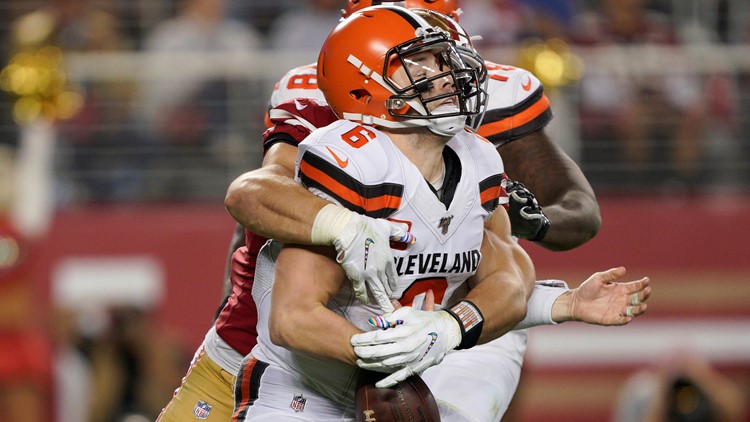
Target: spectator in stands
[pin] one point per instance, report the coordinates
(25, 353)
(649, 118)
(259, 14)
(95, 132)
(184, 110)
(682, 388)
(503, 23)
(305, 27)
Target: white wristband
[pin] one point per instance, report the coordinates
(539, 307)
(329, 223)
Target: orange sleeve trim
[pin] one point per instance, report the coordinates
(516, 120)
(489, 194)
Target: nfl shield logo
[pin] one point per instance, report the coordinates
(298, 403)
(201, 410)
(444, 223)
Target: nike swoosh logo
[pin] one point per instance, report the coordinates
(368, 241)
(298, 105)
(339, 161)
(433, 338)
(526, 86)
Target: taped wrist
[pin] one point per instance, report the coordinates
(470, 320)
(329, 223)
(539, 307)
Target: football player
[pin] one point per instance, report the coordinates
(401, 152)
(234, 333)
(515, 120)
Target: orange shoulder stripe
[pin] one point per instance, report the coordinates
(347, 194)
(516, 120)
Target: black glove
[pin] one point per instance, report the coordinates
(527, 221)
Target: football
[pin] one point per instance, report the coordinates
(409, 400)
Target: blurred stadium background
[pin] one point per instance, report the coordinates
(121, 128)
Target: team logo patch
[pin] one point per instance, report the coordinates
(444, 223)
(298, 403)
(202, 409)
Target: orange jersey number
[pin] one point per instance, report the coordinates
(303, 82)
(358, 137)
(438, 285)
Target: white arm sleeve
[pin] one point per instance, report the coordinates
(539, 308)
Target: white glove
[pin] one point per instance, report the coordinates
(420, 339)
(364, 250)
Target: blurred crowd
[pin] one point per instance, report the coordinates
(135, 138)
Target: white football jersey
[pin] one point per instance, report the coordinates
(300, 82)
(358, 167)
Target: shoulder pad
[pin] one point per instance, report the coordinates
(297, 118)
(354, 165)
(516, 107)
(299, 82)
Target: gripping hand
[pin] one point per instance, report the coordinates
(527, 220)
(364, 252)
(418, 340)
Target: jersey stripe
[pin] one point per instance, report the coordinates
(247, 386)
(377, 201)
(490, 191)
(508, 125)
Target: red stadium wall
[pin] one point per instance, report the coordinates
(694, 249)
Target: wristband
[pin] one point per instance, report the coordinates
(539, 307)
(328, 224)
(470, 320)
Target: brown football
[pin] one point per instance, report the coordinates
(409, 400)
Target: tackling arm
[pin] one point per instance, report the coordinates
(270, 203)
(560, 187)
(495, 304)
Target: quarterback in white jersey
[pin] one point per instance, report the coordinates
(358, 167)
(435, 177)
(490, 409)
(516, 106)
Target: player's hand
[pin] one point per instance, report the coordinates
(603, 301)
(415, 341)
(527, 221)
(364, 252)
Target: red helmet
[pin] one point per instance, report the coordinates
(359, 57)
(446, 7)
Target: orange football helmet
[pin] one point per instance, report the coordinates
(361, 54)
(446, 7)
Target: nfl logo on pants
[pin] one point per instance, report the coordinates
(201, 410)
(298, 403)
